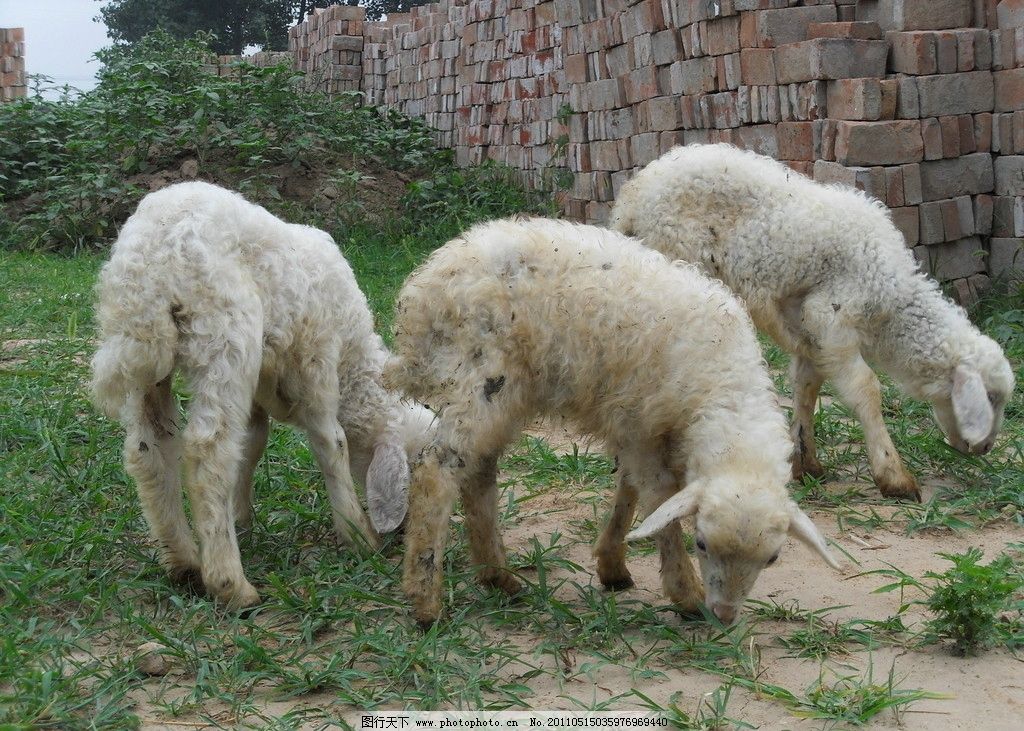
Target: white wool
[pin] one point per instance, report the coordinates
(260, 317)
(824, 271)
(518, 318)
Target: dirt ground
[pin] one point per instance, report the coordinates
(984, 692)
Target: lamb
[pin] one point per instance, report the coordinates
(262, 318)
(827, 275)
(518, 318)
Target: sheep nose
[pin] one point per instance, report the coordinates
(726, 613)
(984, 448)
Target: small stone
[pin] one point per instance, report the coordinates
(189, 169)
(151, 660)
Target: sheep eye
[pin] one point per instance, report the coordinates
(773, 559)
(701, 546)
(992, 398)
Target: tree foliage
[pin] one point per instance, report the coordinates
(236, 24)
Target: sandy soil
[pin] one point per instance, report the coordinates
(985, 692)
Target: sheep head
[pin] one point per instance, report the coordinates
(970, 410)
(740, 530)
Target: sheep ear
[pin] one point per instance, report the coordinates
(387, 487)
(681, 505)
(973, 412)
(803, 529)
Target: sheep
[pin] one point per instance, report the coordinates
(520, 318)
(263, 319)
(826, 274)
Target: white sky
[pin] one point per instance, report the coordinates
(60, 37)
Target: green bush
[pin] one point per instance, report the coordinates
(72, 169)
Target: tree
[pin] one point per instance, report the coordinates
(237, 24)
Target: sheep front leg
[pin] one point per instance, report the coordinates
(432, 492)
(859, 388)
(479, 490)
(151, 457)
(255, 443)
(806, 384)
(610, 548)
(655, 484)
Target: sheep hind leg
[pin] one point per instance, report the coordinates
(152, 457)
(806, 382)
(610, 548)
(432, 492)
(860, 390)
(255, 443)
(479, 490)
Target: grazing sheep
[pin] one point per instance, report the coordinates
(262, 318)
(518, 318)
(825, 273)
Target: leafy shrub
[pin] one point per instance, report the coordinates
(72, 169)
(968, 599)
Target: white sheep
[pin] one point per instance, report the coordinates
(518, 318)
(827, 275)
(261, 318)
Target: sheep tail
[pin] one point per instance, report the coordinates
(136, 352)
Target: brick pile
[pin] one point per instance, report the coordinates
(918, 102)
(13, 83)
(328, 47)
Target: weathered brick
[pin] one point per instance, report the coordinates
(757, 66)
(796, 141)
(772, 28)
(913, 53)
(945, 52)
(1008, 216)
(867, 31)
(862, 99)
(1010, 14)
(1009, 172)
(949, 128)
(764, 139)
(830, 58)
(1006, 257)
(966, 93)
(894, 187)
(1009, 89)
(924, 14)
(666, 46)
(912, 184)
(931, 224)
(983, 208)
(908, 104)
(952, 260)
(661, 113)
(967, 175)
(879, 143)
(907, 221)
(695, 76)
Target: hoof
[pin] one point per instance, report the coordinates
(425, 618)
(810, 468)
(503, 581)
(189, 578)
(245, 597)
(618, 584)
(905, 488)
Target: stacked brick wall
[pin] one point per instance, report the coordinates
(13, 83)
(918, 102)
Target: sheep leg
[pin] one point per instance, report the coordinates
(432, 492)
(859, 388)
(806, 383)
(255, 443)
(151, 456)
(330, 445)
(213, 452)
(610, 548)
(479, 490)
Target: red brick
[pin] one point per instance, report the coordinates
(1009, 90)
(913, 53)
(862, 99)
(867, 31)
(908, 222)
(576, 68)
(983, 132)
(946, 52)
(912, 184)
(773, 28)
(924, 14)
(879, 143)
(830, 58)
(894, 187)
(966, 93)
(950, 130)
(967, 143)
(796, 141)
(757, 66)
